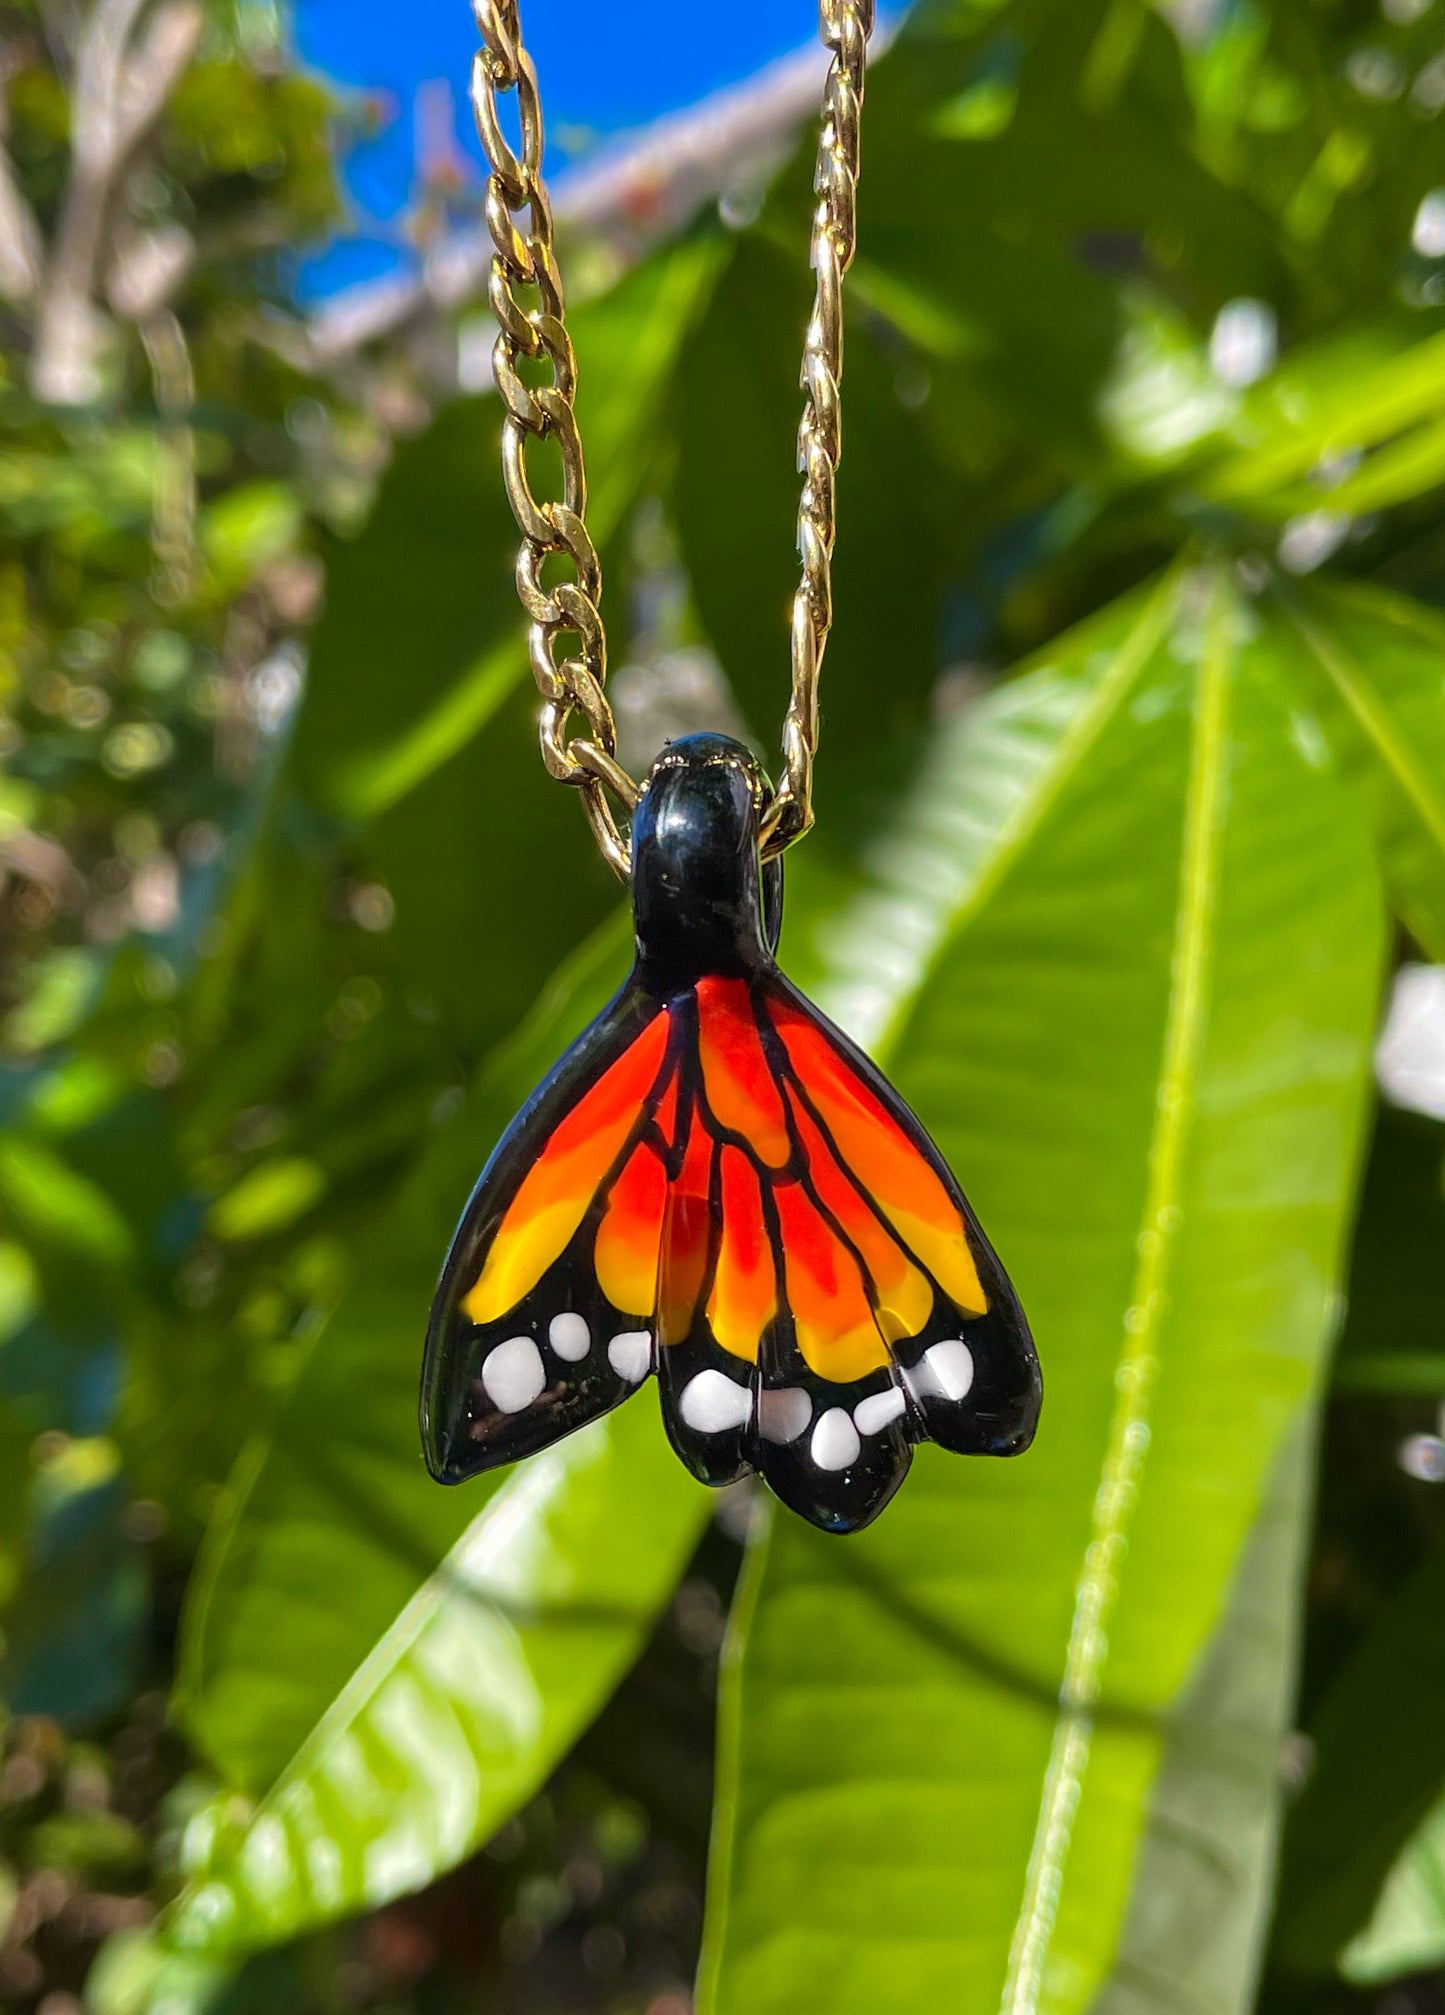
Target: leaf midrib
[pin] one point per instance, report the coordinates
(1117, 1497)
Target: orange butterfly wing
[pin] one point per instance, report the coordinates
(826, 1298)
(721, 1188)
(543, 1316)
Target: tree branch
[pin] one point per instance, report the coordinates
(117, 99)
(22, 249)
(637, 193)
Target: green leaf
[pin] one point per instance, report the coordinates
(247, 527)
(1392, 474)
(73, 1635)
(432, 1700)
(420, 715)
(735, 500)
(1406, 1934)
(268, 1198)
(19, 1303)
(1344, 395)
(56, 1206)
(1379, 1744)
(368, 783)
(1382, 657)
(466, 1702)
(1200, 1894)
(985, 313)
(62, 992)
(734, 485)
(133, 1975)
(422, 609)
(336, 1496)
(1140, 1032)
(9, 1892)
(19, 1295)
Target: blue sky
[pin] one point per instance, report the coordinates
(604, 67)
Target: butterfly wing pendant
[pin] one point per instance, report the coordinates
(716, 1187)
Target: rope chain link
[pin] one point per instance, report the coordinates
(526, 298)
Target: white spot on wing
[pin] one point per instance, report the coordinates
(711, 1403)
(570, 1337)
(872, 1415)
(630, 1355)
(513, 1375)
(835, 1440)
(946, 1369)
(783, 1413)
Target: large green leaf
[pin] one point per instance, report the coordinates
(1199, 1901)
(735, 496)
(478, 1687)
(1342, 396)
(1141, 1034)
(335, 1496)
(422, 606)
(419, 723)
(389, 1668)
(1383, 658)
(981, 329)
(1023, 230)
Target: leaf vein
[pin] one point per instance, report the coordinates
(1136, 1370)
(1374, 717)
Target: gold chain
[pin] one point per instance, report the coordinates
(525, 292)
(844, 26)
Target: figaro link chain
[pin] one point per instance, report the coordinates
(567, 643)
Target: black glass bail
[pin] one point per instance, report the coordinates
(701, 901)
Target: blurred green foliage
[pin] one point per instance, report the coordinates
(1131, 797)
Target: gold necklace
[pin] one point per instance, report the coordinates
(713, 1184)
(526, 296)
